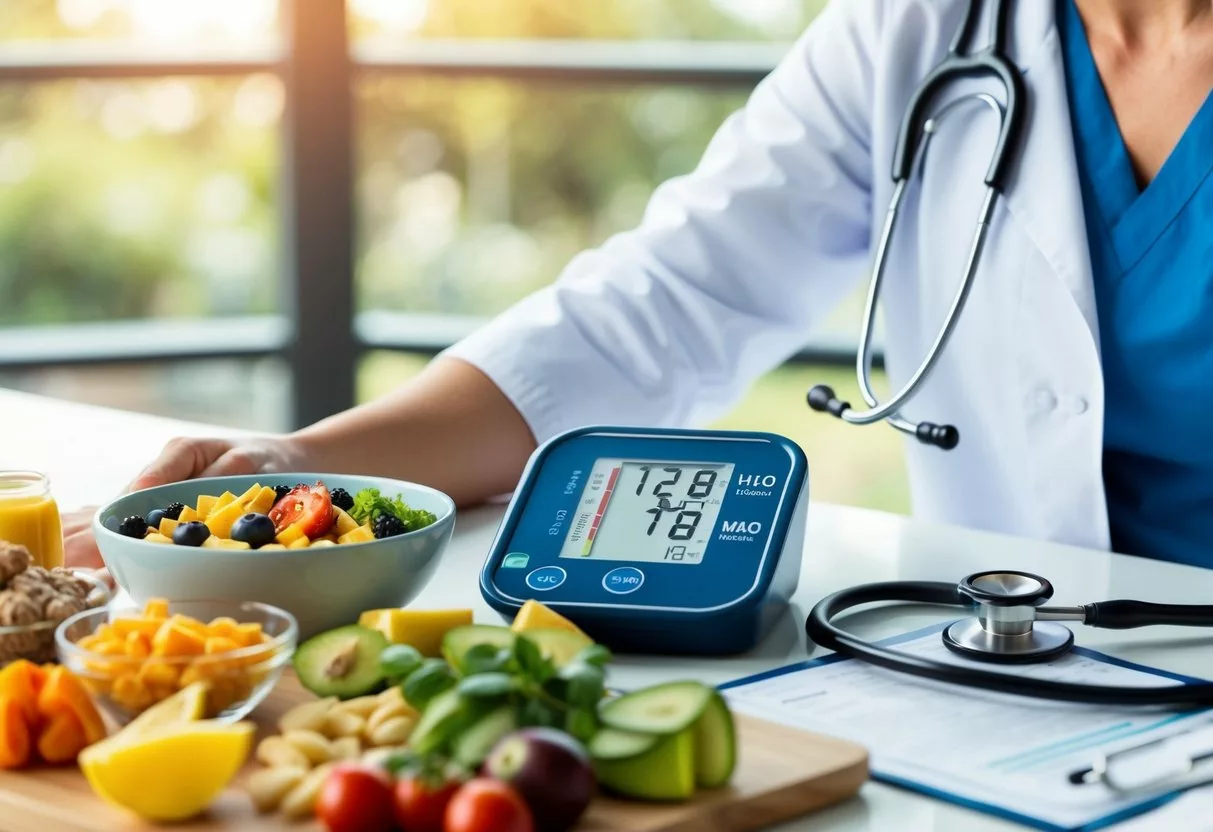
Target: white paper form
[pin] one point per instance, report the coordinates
(1004, 754)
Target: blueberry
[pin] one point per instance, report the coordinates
(133, 526)
(154, 517)
(193, 533)
(254, 529)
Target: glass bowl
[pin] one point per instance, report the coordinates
(36, 642)
(130, 660)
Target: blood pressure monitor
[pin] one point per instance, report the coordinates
(655, 540)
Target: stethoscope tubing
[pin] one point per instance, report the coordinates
(821, 630)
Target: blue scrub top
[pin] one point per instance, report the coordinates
(1152, 255)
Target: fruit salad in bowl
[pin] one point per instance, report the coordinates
(323, 547)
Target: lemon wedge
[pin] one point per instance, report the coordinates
(186, 705)
(168, 773)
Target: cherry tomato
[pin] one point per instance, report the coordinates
(356, 798)
(421, 804)
(309, 505)
(488, 805)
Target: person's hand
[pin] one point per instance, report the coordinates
(183, 459)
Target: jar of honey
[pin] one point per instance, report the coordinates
(29, 516)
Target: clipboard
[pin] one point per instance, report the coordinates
(952, 743)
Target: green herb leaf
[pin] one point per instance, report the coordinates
(399, 660)
(531, 662)
(585, 684)
(596, 654)
(483, 658)
(536, 713)
(487, 685)
(581, 723)
(423, 684)
(369, 504)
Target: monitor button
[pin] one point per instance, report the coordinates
(545, 578)
(623, 580)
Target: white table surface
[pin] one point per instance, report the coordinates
(91, 453)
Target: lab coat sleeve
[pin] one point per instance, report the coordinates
(730, 267)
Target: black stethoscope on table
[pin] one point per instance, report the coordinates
(1011, 625)
(917, 128)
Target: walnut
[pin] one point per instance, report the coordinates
(17, 609)
(61, 607)
(35, 584)
(14, 559)
(66, 583)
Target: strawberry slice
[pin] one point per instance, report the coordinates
(309, 505)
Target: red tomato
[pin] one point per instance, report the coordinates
(356, 798)
(309, 505)
(488, 805)
(420, 805)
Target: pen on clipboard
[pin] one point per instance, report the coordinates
(1099, 771)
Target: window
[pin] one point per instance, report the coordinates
(194, 219)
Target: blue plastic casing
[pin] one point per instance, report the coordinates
(723, 604)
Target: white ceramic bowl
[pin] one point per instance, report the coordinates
(322, 588)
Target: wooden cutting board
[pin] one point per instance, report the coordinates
(782, 774)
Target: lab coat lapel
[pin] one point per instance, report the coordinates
(1043, 194)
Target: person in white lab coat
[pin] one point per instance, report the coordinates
(734, 264)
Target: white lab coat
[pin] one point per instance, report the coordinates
(734, 264)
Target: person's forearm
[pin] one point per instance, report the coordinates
(450, 428)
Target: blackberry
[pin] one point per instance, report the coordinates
(173, 510)
(281, 491)
(133, 526)
(342, 499)
(388, 525)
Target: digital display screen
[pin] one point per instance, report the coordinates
(656, 512)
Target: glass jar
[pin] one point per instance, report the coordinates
(29, 516)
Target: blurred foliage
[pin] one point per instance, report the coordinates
(127, 199)
(159, 197)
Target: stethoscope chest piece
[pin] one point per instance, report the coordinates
(1007, 628)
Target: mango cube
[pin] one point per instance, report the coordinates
(290, 534)
(423, 629)
(247, 497)
(362, 534)
(301, 543)
(221, 519)
(154, 608)
(174, 640)
(205, 503)
(156, 537)
(344, 523)
(262, 502)
(224, 499)
(188, 515)
(535, 616)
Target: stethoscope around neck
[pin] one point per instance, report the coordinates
(1010, 624)
(963, 60)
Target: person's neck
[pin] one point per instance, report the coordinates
(1138, 24)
